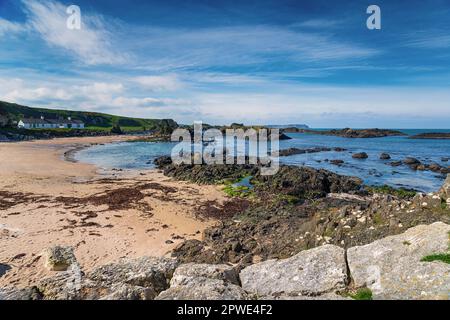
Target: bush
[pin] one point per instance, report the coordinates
(116, 129)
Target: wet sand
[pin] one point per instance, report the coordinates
(46, 200)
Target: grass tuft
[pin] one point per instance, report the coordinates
(362, 294)
(443, 257)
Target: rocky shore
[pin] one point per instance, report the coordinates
(396, 267)
(301, 208)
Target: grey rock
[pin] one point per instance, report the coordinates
(189, 271)
(134, 279)
(326, 296)
(20, 294)
(204, 282)
(142, 278)
(309, 273)
(65, 285)
(392, 267)
(58, 258)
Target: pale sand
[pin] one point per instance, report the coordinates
(38, 170)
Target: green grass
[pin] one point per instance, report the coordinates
(400, 193)
(443, 204)
(378, 219)
(443, 257)
(362, 294)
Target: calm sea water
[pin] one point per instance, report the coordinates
(372, 170)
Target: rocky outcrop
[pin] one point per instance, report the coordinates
(392, 268)
(385, 156)
(294, 151)
(204, 282)
(415, 164)
(310, 273)
(296, 181)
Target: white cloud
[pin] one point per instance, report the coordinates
(92, 44)
(429, 40)
(8, 27)
(318, 23)
(159, 83)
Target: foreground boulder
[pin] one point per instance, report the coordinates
(204, 282)
(130, 279)
(314, 272)
(392, 268)
(136, 279)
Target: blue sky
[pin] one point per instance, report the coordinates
(256, 62)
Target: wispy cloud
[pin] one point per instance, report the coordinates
(8, 27)
(91, 45)
(241, 46)
(430, 41)
(318, 23)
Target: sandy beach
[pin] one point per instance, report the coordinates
(46, 200)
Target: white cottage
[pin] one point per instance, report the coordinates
(42, 123)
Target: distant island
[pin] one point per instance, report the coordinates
(431, 135)
(356, 133)
(287, 126)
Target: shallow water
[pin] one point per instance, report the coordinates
(372, 170)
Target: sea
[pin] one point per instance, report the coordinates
(373, 171)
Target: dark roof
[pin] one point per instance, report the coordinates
(64, 121)
(51, 121)
(34, 121)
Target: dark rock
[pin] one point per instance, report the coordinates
(434, 167)
(293, 151)
(4, 268)
(284, 137)
(337, 162)
(361, 155)
(385, 156)
(432, 135)
(395, 163)
(411, 161)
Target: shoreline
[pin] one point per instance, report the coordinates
(46, 199)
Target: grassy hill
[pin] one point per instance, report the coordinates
(10, 112)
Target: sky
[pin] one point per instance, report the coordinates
(256, 62)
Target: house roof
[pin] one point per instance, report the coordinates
(50, 121)
(34, 121)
